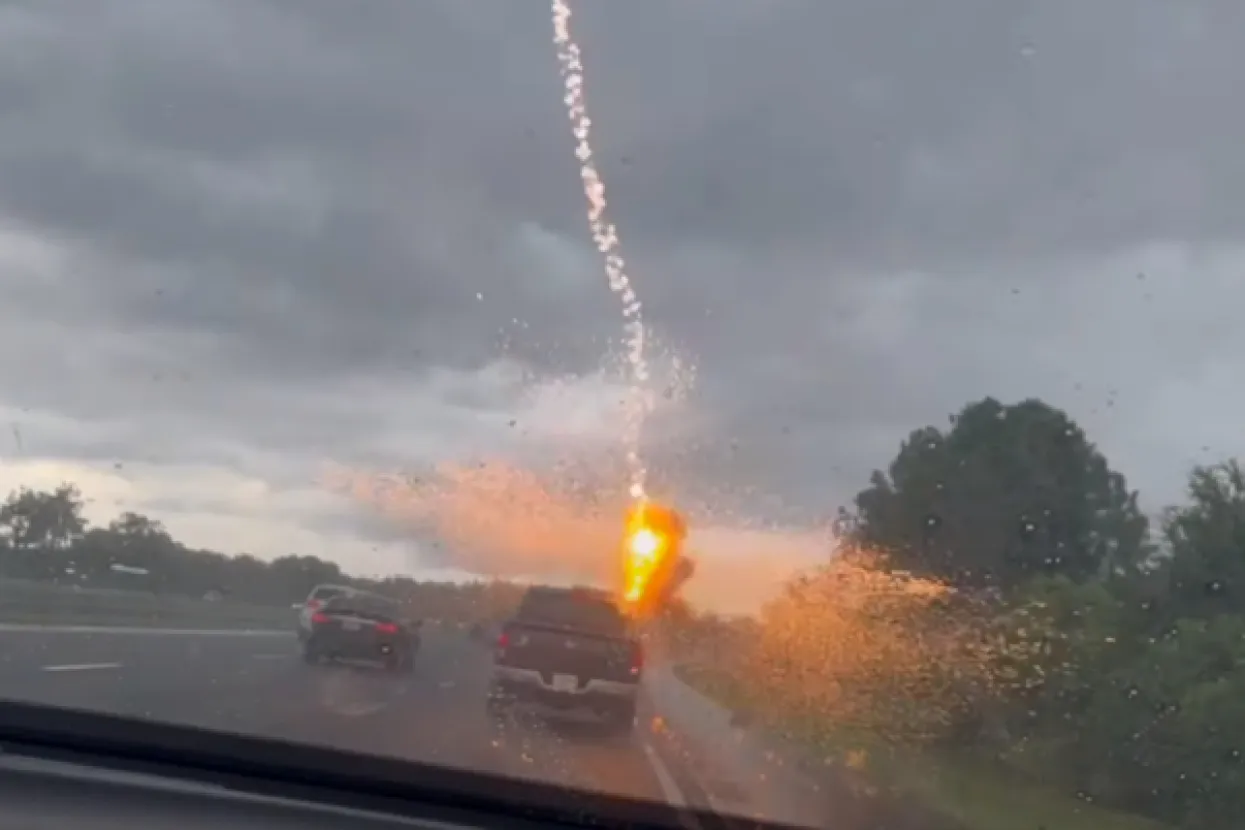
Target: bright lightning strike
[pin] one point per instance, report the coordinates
(605, 235)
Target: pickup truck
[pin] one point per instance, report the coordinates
(568, 651)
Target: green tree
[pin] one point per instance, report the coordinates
(44, 536)
(1204, 570)
(295, 576)
(1141, 679)
(1009, 492)
(39, 529)
(41, 519)
(137, 541)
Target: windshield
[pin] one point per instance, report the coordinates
(875, 361)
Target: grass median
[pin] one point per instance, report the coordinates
(36, 604)
(969, 792)
(121, 619)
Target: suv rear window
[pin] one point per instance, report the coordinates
(364, 605)
(325, 593)
(578, 608)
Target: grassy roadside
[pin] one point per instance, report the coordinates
(53, 617)
(28, 603)
(967, 791)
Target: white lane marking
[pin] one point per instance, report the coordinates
(670, 789)
(83, 667)
(21, 628)
(360, 710)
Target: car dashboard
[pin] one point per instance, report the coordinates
(38, 793)
(68, 769)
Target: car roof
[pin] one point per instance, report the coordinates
(344, 589)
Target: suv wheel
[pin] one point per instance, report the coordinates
(398, 662)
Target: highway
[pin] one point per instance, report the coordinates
(257, 684)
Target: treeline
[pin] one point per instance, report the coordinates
(44, 537)
(1001, 595)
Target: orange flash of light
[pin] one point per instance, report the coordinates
(654, 535)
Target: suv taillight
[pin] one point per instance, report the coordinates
(319, 619)
(503, 640)
(386, 628)
(637, 658)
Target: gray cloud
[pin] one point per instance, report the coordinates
(261, 235)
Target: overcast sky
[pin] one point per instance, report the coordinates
(246, 241)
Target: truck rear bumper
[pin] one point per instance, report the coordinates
(524, 686)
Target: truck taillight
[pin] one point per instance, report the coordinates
(386, 628)
(319, 619)
(503, 640)
(637, 658)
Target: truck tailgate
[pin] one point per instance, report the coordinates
(555, 650)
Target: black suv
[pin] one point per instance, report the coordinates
(363, 627)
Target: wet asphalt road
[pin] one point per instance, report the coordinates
(257, 684)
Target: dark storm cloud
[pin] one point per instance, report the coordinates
(273, 152)
(267, 201)
(402, 145)
(903, 131)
